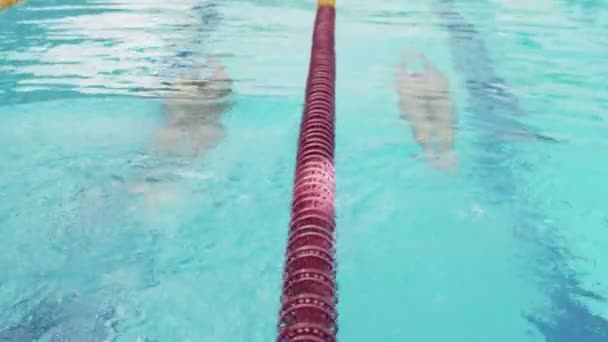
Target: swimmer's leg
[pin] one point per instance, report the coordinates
(443, 113)
(423, 130)
(445, 140)
(169, 139)
(204, 138)
(415, 112)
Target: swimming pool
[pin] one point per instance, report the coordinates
(510, 249)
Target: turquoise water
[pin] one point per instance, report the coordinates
(512, 248)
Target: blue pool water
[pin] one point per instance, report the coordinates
(511, 248)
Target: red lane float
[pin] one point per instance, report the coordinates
(308, 303)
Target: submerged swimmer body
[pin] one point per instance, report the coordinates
(425, 102)
(194, 112)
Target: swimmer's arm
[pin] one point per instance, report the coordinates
(425, 62)
(401, 84)
(407, 56)
(219, 70)
(401, 74)
(220, 74)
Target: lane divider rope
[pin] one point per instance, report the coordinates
(308, 302)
